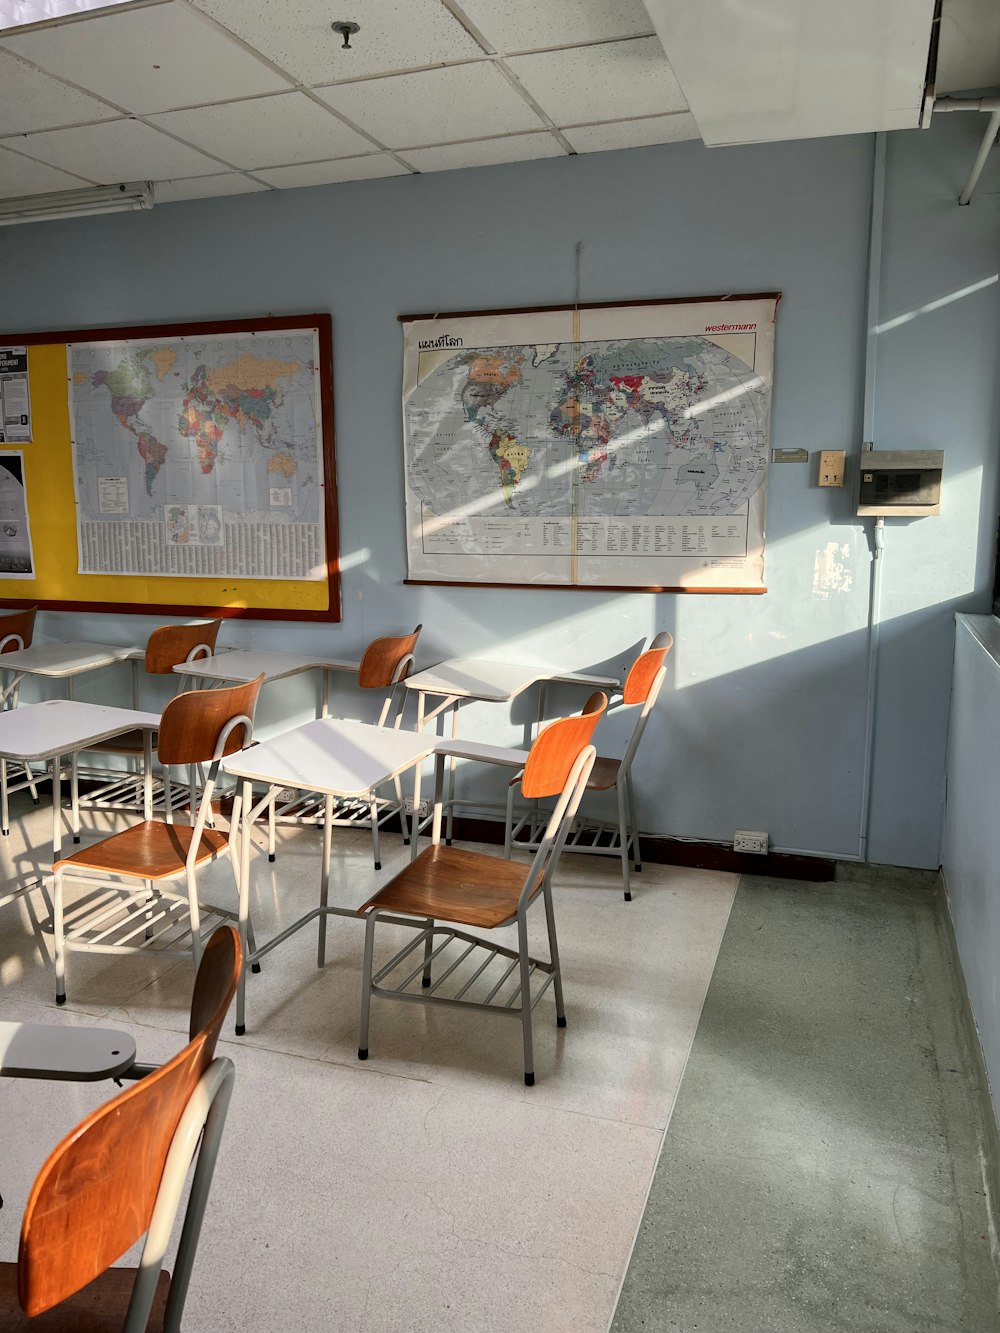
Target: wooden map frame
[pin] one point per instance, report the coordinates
(572, 308)
(49, 474)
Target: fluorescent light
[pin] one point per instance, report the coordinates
(23, 13)
(77, 203)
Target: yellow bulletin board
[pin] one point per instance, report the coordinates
(51, 498)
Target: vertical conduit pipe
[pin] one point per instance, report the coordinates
(875, 586)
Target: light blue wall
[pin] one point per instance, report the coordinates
(762, 725)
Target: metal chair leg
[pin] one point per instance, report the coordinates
(59, 931)
(623, 834)
(550, 923)
(428, 950)
(373, 816)
(522, 948)
(636, 852)
(366, 986)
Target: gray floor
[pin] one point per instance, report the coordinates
(822, 1168)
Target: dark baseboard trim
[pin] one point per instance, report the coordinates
(991, 1130)
(656, 850)
(680, 852)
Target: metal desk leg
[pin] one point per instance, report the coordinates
(415, 823)
(325, 696)
(324, 878)
(147, 778)
(246, 817)
(74, 794)
(452, 765)
(56, 806)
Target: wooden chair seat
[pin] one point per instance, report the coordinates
(604, 775)
(99, 1308)
(129, 742)
(152, 850)
(451, 884)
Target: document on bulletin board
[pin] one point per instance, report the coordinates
(15, 399)
(199, 456)
(17, 560)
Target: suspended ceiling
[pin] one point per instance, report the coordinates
(213, 97)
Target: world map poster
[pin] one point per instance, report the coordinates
(595, 446)
(199, 456)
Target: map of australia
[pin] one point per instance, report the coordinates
(634, 427)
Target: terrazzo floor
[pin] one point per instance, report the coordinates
(426, 1190)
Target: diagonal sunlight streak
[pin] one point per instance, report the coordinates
(557, 470)
(936, 305)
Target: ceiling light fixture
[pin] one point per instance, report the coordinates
(346, 29)
(77, 203)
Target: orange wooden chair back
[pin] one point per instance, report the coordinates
(169, 645)
(557, 748)
(640, 678)
(94, 1197)
(16, 629)
(190, 726)
(382, 656)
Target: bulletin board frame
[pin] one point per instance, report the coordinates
(274, 599)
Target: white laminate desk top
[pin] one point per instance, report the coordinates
(63, 726)
(243, 664)
(66, 659)
(491, 681)
(340, 758)
(61, 1051)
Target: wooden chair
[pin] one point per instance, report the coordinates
(120, 1176)
(139, 910)
(17, 630)
(640, 691)
(484, 892)
(166, 647)
(385, 665)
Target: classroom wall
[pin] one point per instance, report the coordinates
(762, 722)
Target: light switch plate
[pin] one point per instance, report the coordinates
(831, 467)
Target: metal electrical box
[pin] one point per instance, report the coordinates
(900, 483)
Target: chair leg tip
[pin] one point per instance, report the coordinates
(270, 857)
(255, 967)
(76, 837)
(628, 897)
(378, 865)
(36, 801)
(240, 1029)
(529, 1080)
(60, 999)
(362, 1052)
(560, 1020)
(6, 832)
(425, 981)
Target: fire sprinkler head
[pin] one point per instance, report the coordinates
(346, 29)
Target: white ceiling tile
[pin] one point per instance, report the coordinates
(266, 132)
(119, 150)
(632, 133)
(395, 34)
(414, 110)
(333, 173)
(203, 187)
(485, 152)
(30, 100)
(19, 175)
(149, 59)
(527, 25)
(631, 78)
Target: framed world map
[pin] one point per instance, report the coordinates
(596, 446)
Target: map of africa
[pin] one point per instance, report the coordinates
(198, 455)
(616, 446)
(637, 427)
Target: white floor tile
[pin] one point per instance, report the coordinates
(426, 1189)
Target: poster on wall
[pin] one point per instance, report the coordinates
(590, 446)
(17, 559)
(199, 455)
(15, 398)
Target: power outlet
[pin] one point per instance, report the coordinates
(423, 808)
(746, 840)
(831, 467)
